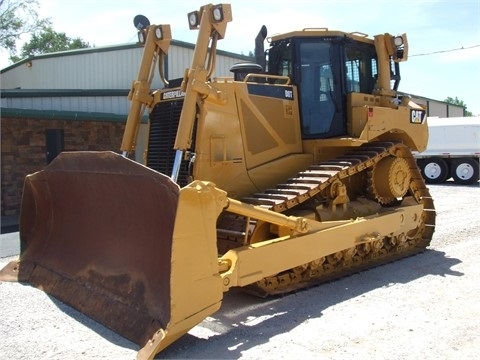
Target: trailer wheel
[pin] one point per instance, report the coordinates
(465, 171)
(434, 170)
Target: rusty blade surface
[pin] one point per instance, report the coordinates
(96, 232)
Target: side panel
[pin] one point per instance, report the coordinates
(219, 145)
(270, 123)
(238, 140)
(368, 121)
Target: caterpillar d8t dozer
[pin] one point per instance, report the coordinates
(295, 170)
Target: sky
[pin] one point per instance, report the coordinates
(443, 35)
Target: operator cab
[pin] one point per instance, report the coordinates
(325, 66)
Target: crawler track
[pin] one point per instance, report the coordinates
(319, 182)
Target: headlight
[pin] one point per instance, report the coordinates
(193, 21)
(158, 33)
(398, 41)
(217, 12)
(141, 37)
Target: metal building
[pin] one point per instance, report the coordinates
(92, 80)
(436, 108)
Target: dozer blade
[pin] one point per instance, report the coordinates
(97, 231)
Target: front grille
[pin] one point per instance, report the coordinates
(164, 120)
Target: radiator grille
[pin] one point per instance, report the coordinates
(163, 128)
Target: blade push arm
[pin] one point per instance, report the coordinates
(211, 21)
(156, 40)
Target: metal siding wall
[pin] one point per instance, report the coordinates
(420, 101)
(455, 111)
(110, 69)
(179, 59)
(437, 109)
(99, 70)
(96, 70)
(224, 63)
(103, 104)
(114, 69)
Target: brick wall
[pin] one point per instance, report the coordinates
(23, 149)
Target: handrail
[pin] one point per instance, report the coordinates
(268, 76)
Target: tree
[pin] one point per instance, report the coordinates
(18, 17)
(47, 41)
(458, 102)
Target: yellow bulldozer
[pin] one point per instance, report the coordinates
(294, 171)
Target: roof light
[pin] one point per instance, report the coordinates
(141, 37)
(217, 13)
(398, 41)
(193, 19)
(159, 33)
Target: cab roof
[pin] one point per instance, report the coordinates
(322, 32)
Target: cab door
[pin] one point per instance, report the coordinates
(320, 89)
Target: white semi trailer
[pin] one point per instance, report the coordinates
(453, 150)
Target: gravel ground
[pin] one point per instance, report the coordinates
(424, 307)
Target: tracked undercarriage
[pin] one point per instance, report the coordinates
(325, 192)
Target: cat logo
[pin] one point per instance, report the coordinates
(417, 116)
(174, 94)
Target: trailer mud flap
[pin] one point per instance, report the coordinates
(97, 232)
